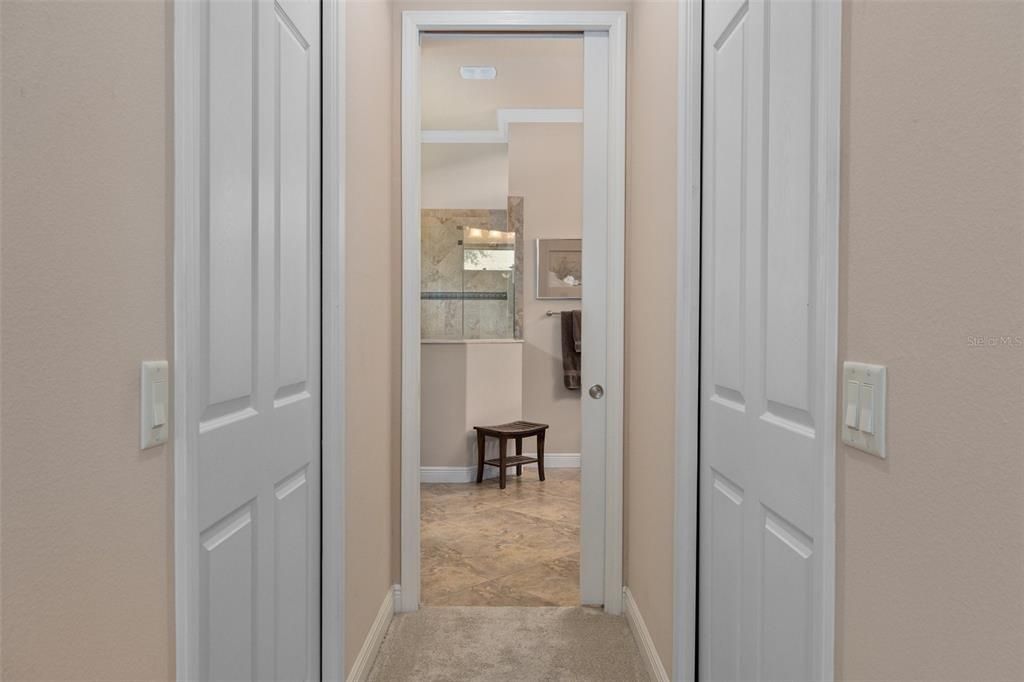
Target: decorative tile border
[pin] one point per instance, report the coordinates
(464, 295)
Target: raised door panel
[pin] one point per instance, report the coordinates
(721, 607)
(293, 534)
(229, 215)
(786, 601)
(788, 291)
(295, 212)
(726, 217)
(227, 586)
(303, 15)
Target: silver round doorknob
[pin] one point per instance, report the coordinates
(597, 391)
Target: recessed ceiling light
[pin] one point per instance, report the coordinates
(478, 73)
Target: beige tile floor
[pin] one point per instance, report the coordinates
(483, 546)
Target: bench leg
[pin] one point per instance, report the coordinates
(540, 454)
(502, 455)
(519, 453)
(479, 457)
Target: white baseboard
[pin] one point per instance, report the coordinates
(453, 474)
(643, 637)
(374, 638)
(554, 460)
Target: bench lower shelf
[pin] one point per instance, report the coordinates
(514, 460)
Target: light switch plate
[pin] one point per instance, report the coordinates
(863, 424)
(154, 408)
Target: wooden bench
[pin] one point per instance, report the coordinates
(503, 432)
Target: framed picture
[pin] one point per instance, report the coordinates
(560, 268)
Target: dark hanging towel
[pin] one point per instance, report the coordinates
(571, 347)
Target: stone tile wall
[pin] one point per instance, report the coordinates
(477, 304)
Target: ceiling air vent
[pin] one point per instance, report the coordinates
(478, 73)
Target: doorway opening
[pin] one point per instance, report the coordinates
(512, 160)
(501, 259)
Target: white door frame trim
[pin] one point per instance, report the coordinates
(187, 116)
(413, 23)
(332, 356)
(688, 192)
(187, 104)
(688, 197)
(827, 119)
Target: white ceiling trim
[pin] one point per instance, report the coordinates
(505, 118)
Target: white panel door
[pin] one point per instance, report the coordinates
(765, 343)
(259, 412)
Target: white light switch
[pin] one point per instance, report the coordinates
(864, 407)
(154, 408)
(852, 390)
(867, 408)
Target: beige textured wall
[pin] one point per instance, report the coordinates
(464, 176)
(373, 279)
(86, 296)
(930, 542)
(546, 169)
(533, 73)
(498, 401)
(650, 318)
(463, 385)
(443, 436)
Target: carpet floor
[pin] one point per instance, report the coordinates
(506, 643)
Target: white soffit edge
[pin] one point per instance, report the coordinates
(505, 118)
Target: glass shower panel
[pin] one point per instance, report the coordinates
(489, 291)
(468, 276)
